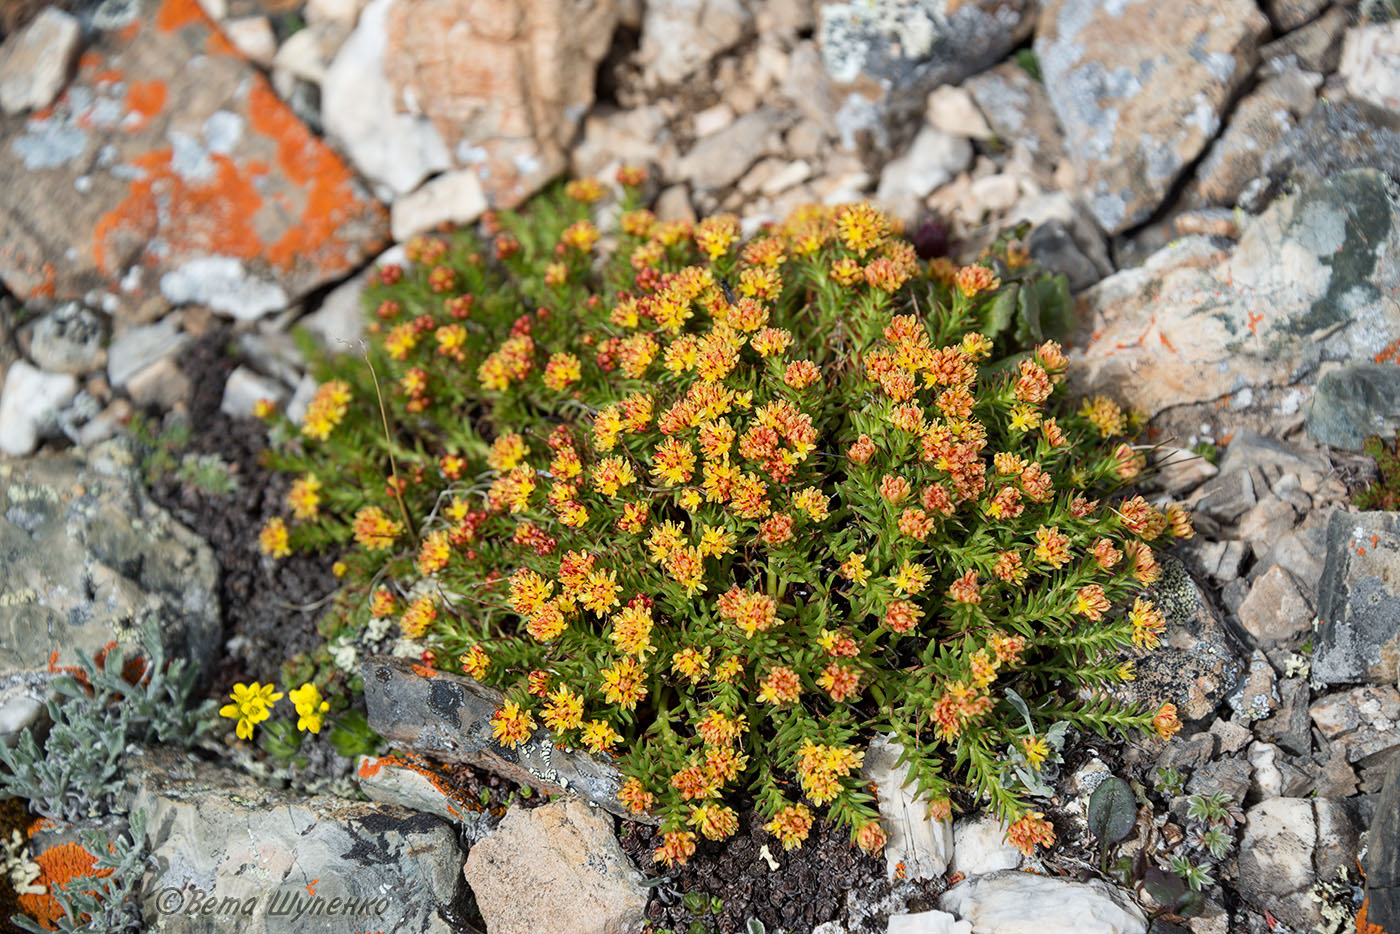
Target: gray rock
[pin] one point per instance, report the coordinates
(1275, 612)
(452, 198)
(1139, 88)
(35, 61)
(1250, 449)
(1266, 522)
(413, 783)
(1276, 856)
(69, 339)
(679, 37)
(1017, 901)
(1232, 736)
(1018, 111)
(1225, 497)
(1220, 561)
(245, 387)
(1317, 47)
(884, 57)
(1290, 14)
(1335, 138)
(1196, 665)
(1187, 326)
(556, 868)
(161, 385)
(721, 158)
(1363, 721)
(1188, 753)
(216, 832)
(932, 160)
(1230, 774)
(137, 348)
(1359, 600)
(1258, 121)
(1383, 855)
(1353, 402)
(1301, 553)
(225, 285)
(1053, 246)
(447, 716)
(1257, 695)
(85, 556)
(1291, 726)
(29, 406)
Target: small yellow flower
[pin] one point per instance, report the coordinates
(310, 707)
(251, 705)
(273, 538)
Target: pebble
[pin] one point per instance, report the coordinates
(253, 36)
(245, 387)
(1370, 63)
(1017, 902)
(29, 404)
(35, 62)
(980, 847)
(1275, 612)
(927, 922)
(932, 160)
(952, 110)
(920, 845)
(451, 198)
(137, 348)
(68, 340)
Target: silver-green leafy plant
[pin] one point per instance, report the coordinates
(75, 773)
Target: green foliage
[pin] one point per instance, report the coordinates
(208, 473)
(1384, 493)
(101, 904)
(158, 448)
(121, 696)
(1207, 450)
(1112, 814)
(724, 510)
(1030, 63)
(1170, 781)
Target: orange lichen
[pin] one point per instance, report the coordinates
(1253, 320)
(57, 866)
(176, 14)
(1389, 354)
(146, 99)
(45, 289)
(1363, 926)
(89, 60)
(218, 44)
(130, 31)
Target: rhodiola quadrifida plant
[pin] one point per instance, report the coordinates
(724, 510)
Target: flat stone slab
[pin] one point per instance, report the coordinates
(447, 716)
(169, 171)
(1359, 600)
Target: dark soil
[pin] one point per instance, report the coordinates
(271, 607)
(808, 888)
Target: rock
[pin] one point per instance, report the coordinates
(1016, 903)
(1228, 774)
(1196, 666)
(712, 119)
(1184, 328)
(1300, 553)
(1275, 613)
(884, 58)
(1250, 449)
(1276, 859)
(613, 138)
(188, 173)
(1258, 121)
(1188, 753)
(85, 555)
(253, 36)
(391, 144)
(1054, 247)
(451, 198)
(1231, 735)
(1370, 63)
(1266, 522)
(951, 110)
(1177, 471)
(1317, 47)
(216, 832)
(1354, 402)
(681, 36)
(1107, 70)
(1363, 721)
(161, 385)
(1018, 111)
(931, 161)
(69, 339)
(29, 405)
(1290, 726)
(448, 717)
(245, 387)
(1345, 135)
(1337, 839)
(35, 61)
(920, 845)
(413, 783)
(1208, 222)
(504, 86)
(566, 856)
(721, 158)
(1220, 561)
(1256, 697)
(927, 922)
(980, 847)
(1225, 497)
(340, 12)
(1382, 904)
(1290, 14)
(137, 348)
(1359, 600)
(1060, 212)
